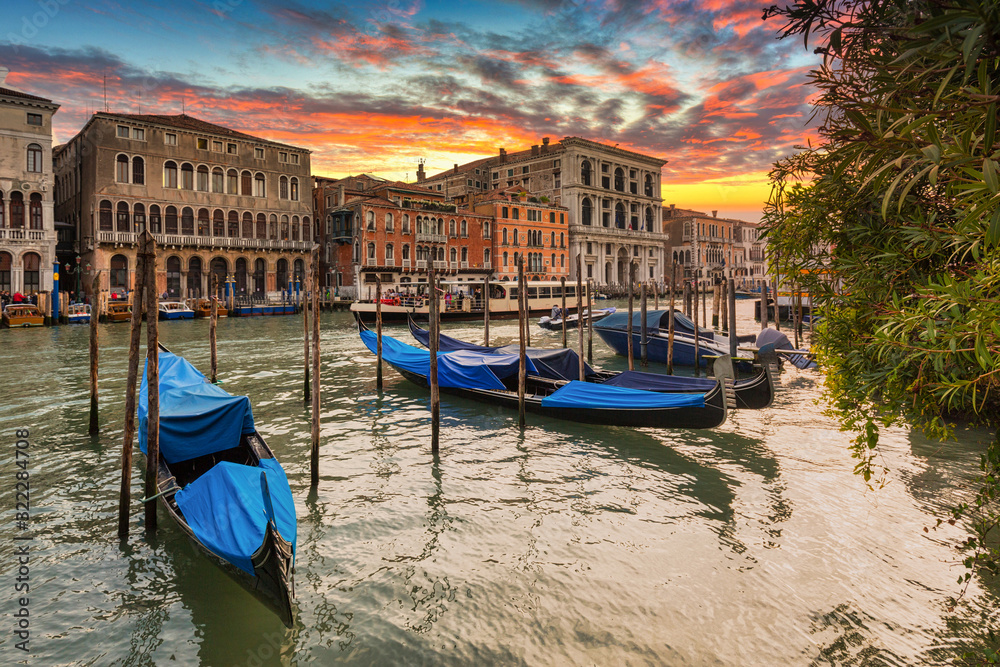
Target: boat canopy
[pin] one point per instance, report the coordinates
(592, 396)
(196, 417)
(446, 343)
(657, 382)
(781, 342)
(655, 319)
(467, 369)
(225, 508)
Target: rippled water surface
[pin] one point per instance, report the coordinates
(752, 544)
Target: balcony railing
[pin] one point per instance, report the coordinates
(23, 235)
(440, 265)
(421, 263)
(131, 238)
(465, 265)
(372, 262)
(406, 263)
(431, 238)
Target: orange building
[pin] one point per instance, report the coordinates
(529, 226)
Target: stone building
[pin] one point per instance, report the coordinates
(398, 232)
(27, 227)
(525, 225)
(705, 246)
(612, 198)
(219, 202)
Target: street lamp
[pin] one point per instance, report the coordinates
(77, 270)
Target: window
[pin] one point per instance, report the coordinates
(295, 189)
(170, 174)
(295, 158)
(259, 185)
(261, 226)
(233, 224)
(283, 232)
(187, 176)
(121, 169)
(505, 212)
(258, 153)
(585, 173)
(231, 149)
(283, 187)
(371, 251)
(155, 222)
(32, 264)
(170, 139)
(203, 226)
(232, 182)
(217, 146)
(619, 180)
(451, 229)
(370, 221)
(35, 119)
(295, 228)
(246, 184)
(170, 221)
(524, 169)
(510, 172)
(218, 223)
(203, 178)
(389, 254)
(465, 229)
(138, 134)
(517, 213)
(123, 222)
(35, 158)
(138, 171)
(187, 221)
(406, 224)
(388, 223)
(124, 132)
(282, 156)
(203, 144)
(139, 217)
(406, 251)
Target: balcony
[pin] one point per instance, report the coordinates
(372, 262)
(406, 263)
(440, 265)
(222, 242)
(421, 263)
(465, 265)
(431, 238)
(24, 235)
(454, 266)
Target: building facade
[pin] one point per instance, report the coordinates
(27, 227)
(612, 198)
(526, 226)
(218, 202)
(708, 247)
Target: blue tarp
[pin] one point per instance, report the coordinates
(196, 417)
(655, 320)
(578, 394)
(225, 509)
(657, 382)
(445, 343)
(461, 368)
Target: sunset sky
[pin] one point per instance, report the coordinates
(373, 87)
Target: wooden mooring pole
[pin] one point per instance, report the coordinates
(697, 356)
(522, 367)
(486, 311)
(125, 492)
(152, 381)
(378, 333)
(731, 302)
(631, 308)
(725, 290)
(305, 334)
(579, 321)
(704, 307)
(716, 294)
(562, 283)
(670, 325)
(763, 305)
(314, 451)
(95, 315)
(590, 322)
(435, 326)
(644, 331)
(213, 329)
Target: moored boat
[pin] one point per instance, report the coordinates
(18, 315)
(175, 310)
(119, 311)
(203, 308)
(572, 321)
(219, 481)
(78, 313)
(492, 377)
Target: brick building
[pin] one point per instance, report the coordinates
(709, 247)
(217, 201)
(27, 228)
(525, 225)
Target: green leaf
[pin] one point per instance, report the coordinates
(993, 232)
(990, 175)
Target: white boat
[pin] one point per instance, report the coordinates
(175, 310)
(554, 323)
(78, 313)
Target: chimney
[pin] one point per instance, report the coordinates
(456, 167)
(715, 214)
(3, 74)
(545, 144)
(534, 151)
(420, 173)
(503, 156)
(340, 195)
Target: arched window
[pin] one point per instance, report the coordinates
(295, 228)
(35, 159)
(35, 211)
(283, 232)
(505, 258)
(259, 185)
(218, 180)
(389, 256)
(406, 223)
(170, 175)
(305, 228)
(6, 262)
(261, 226)
(139, 218)
(370, 221)
(202, 178)
(187, 221)
(300, 271)
(187, 176)
(217, 271)
(371, 251)
(619, 179)
(283, 187)
(649, 185)
(620, 215)
(553, 260)
(451, 228)
(295, 189)
(31, 262)
(241, 276)
(503, 236)
(122, 221)
(118, 278)
(649, 219)
(465, 229)
(281, 274)
(121, 168)
(465, 253)
(586, 173)
(170, 220)
(406, 251)
(138, 171)
(233, 224)
(389, 223)
(155, 221)
(232, 182)
(454, 255)
(588, 211)
(687, 256)
(104, 215)
(272, 228)
(218, 223)
(259, 269)
(246, 184)
(247, 226)
(486, 230)
(356, 253)
(3, 218)
(173, 276)
(203, 227)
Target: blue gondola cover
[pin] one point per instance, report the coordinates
(225, 509)
(578, 394)
(196, 417)
(657, 382)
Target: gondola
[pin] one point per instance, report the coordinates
(492, 378)
(572, 321)
(221, 484)
(752, 393)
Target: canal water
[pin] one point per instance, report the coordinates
(751, 544)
